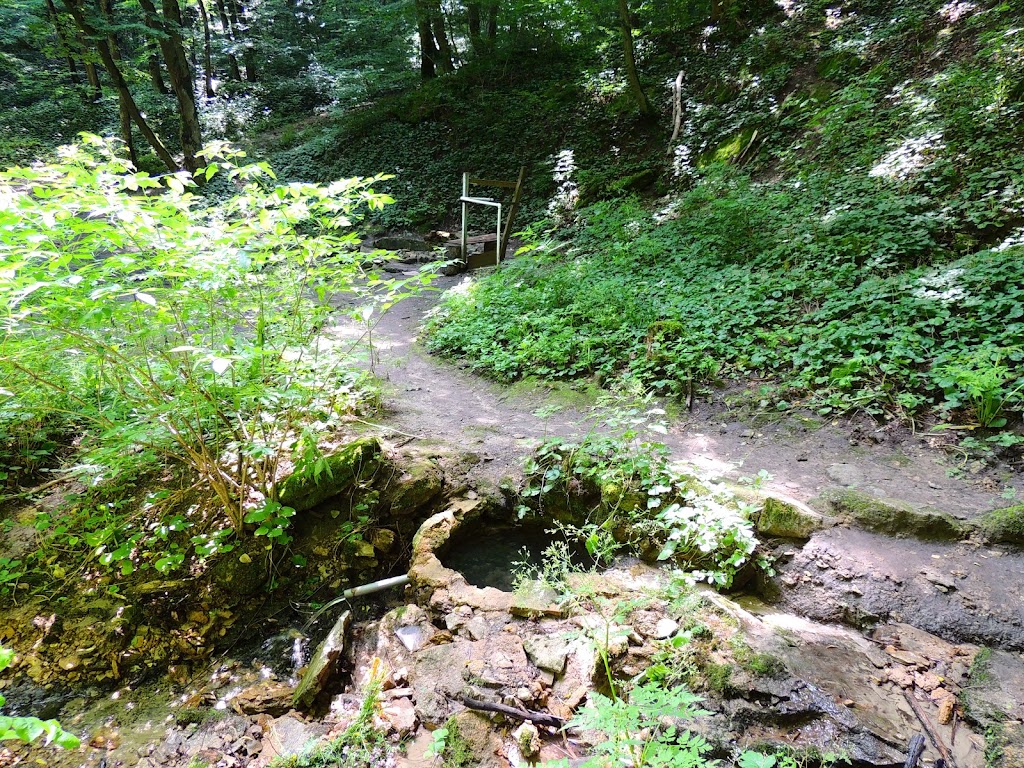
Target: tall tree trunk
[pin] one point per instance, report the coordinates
(180, 75)
(107, 9)
(428, 50)
(123, 92)
(444, 48)
(473, 17)
(207, 56)
(62, 43)
(156, 74)
(123, 112)
(229, 32)
(492, 21)
(92, 76)
(629, 53)
(238, 16)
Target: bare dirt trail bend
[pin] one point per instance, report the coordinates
(961, 590)
(438, 400)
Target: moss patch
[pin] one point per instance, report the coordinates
(891, 517)
(1004, 526)
(357, 459)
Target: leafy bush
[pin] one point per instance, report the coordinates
(615, 494)
(162, 330)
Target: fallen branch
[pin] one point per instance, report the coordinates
(932, 735)
(537, 718)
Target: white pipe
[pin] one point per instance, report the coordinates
(376, 586)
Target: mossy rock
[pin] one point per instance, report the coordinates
(890, 516)
(787, 521)
(728, 151)
(1004, 526)
(356, 460)
(242, 571)
(417, 482)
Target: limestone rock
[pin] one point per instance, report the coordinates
(324, 663)
(787, 519)
(286, 736)
(528, 740)
(547, 652)
(344, 467)
(266, 697)
(891, 517)
(665, 628)
(481, 739)
(419, 483)
(400, 714)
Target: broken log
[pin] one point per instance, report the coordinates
(537, 718)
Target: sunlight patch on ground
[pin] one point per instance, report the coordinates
(941, 285)
(913, 155)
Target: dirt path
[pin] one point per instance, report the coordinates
(437, 400)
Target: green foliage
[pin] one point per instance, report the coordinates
(839, 323)
(643, 503)
(28, 729)
(451, 747)
(159, 329)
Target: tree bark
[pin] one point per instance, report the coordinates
(492, 21)
(123, 92)
(444, 48)
(629, 53)
(473, 17)
(207, 55)
(238, 15)
(428, 50)
(156, 74)
(180, 75)
(229, 32)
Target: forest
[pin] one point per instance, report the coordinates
(718, 463)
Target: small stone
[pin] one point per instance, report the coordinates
(528, 740)
(69, 663)
(400, 714)
(665, 628)
(946, 709)
(849, 703)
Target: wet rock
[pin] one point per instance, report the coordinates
(242, 572)
(836, 684)
(359, 458)
(286, 736)
(854, 577)
(527, 738)
(324, 663)
(266, 697)
(788, 519)
(1004, 526)
(994, 694)
(890, 516)
(547, 652)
